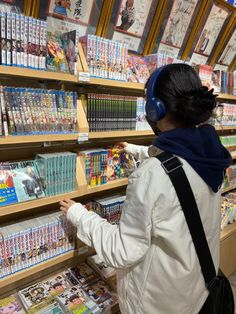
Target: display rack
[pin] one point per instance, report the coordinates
(228, 235)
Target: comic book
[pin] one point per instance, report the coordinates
(100, 267)
(7, 188)
(151, 61)
(131, 72)
(34, 297)
(75, 301)
(3, 38)
(56, 57)
(56, 285)
(84, 274)
(100, 293)
(70, 42)
(27, 180)
(53, 308)
(141, 68)
(9, 38)
(11, 305)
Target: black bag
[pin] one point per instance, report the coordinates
(220, 299)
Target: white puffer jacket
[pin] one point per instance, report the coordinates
(158, 270)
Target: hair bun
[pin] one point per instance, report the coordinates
(204, 98)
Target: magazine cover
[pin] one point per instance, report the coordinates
(70, 277)
(34, 296)
(52, 308)
(56, 285)
(11, 305)
(56, 58)
(100, 294)
(7, 188)
(84, 273)
(27, 181)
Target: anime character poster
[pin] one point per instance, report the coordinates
(209, 34)
(73, 10)
(228, 53)
(131, 21)
(177, 26)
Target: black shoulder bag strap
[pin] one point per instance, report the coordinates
(173, 167)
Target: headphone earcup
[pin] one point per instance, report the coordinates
(155, 109)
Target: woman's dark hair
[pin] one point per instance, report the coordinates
(180, 88)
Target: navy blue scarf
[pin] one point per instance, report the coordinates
(201, 148)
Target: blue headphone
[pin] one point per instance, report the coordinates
(155, 108)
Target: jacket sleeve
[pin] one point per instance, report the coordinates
(124, 245)
(138, 151)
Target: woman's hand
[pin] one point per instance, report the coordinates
(121, 146)
(65, 205)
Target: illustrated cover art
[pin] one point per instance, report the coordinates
(33, 296)
(11, 305)
(56, 285)
(27, 181)
(131, 72)
(56, 58)
(98, 265)
(7, 188)
(100, 294)
(69, 44)
(52, 308)
(70, 277)
(141, 68)
(73, 301)
(84, 273)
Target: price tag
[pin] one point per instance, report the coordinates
(84, 76)
(83, 137)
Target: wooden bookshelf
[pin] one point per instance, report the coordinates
(36, 268)
(36, 74)
(116, 84)
(228, 231)
(230, 188)
(225, 128)
(226, 97)
(227, 251)
(110, 134)
(37, 138)
(82, 191)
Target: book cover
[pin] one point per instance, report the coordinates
(34, 296)
(56, 285)
(70, 47)
(7, 187)
(131, 72)
(27, 180)
(52, 308)
(74, 301)
(56, 58)
(84, 274)
(100, 267)
(9, 38)
(11, 305)
(100, 293)
(141, 68)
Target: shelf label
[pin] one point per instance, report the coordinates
(82, 137)
(84, 76)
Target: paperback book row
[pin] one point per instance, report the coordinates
(225, 115)
(228, 209)
(26, 111)
(46, 175)
(32, 241)
(229, 142)
(105, 58)
(114, 112)
(230, 177)
(108, 208)
(78, 289)
(23, 41)
(103, 165)
(221, 81)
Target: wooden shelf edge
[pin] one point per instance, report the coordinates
(37, 74)
(224, 128)
(230, 188)
(228, 231)
(10, 139)
(82, 191)
(226, 97)
(36, 268)
(116, 84)
(110, 134)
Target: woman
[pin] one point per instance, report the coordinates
(157, 266)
